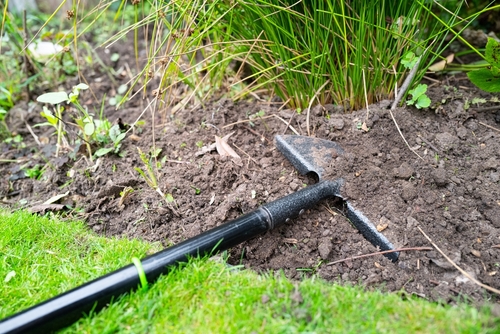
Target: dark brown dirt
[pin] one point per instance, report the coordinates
(452, 191)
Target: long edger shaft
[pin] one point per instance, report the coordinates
(66, 308)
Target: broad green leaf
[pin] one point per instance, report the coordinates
(114, 132)
(82, 86)
(120, 137)
(103, 151)
(418, 91)
(122, 89)
(409, 60)
(48, 116)
(485, 80)
(89, 129)
(492, 53)
(423, 102)
(53, 97)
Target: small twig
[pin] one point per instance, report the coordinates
(178, 161)
(258, 134)
(381, 253)
(495, 246)
(33, 134)
(248, 155)
(430, 144)
(366, 96)
(493, 108)
(398, 97)
(463, 272)
(25, 55)
(489, 126)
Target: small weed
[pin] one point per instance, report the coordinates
(199, 144)
(116, 137)
(16, 141)
(150, 175)
(55, 120)
(197, 191)
(258, 114)
(418, 97)
(124, 194)
(34, 172)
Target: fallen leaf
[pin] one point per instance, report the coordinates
(440, 65)
(476, 253)
(364, 127)
(378, 265)
(55, 198)
(224, 149)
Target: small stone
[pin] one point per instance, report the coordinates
(462, 133)
(446, 140)
(494, 177)
(439, 176)
(337, 123)
(441, 262)
(317, 110)
(409, 192)
(405, 171)
(383, 224)
(491, 163)
(264, 299)
(411, 222)
(325, 248)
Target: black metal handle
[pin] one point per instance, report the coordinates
(64, 309)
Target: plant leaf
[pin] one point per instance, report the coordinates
(485, 80)
(81, 86)
(103, 151)
(423, 102)
(89, 129)
(418, 91)
(224, 149)
(114, 132)
(492, 53)
(53, 97)
(440, 65)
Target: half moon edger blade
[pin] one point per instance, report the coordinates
(313, 155)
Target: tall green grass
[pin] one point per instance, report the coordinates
(305, 52)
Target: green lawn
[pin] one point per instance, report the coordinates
(49, 256)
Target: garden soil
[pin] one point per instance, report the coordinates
(437, 171)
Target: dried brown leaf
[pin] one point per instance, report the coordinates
(440, 65)
(223, 147)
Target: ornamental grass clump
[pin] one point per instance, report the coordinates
(305, 52)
